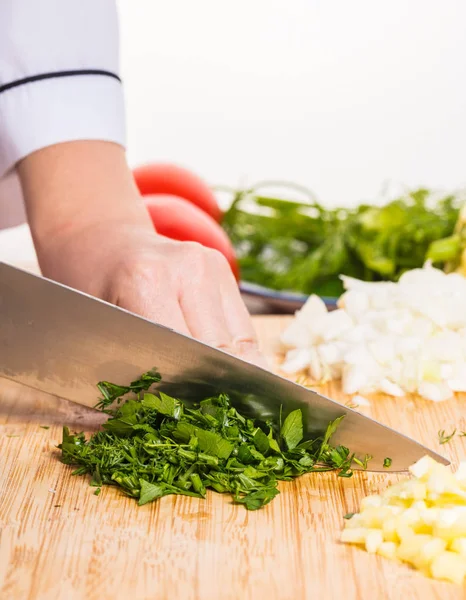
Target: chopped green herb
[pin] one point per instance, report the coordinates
(112, 392)
(387, 463)
(44, 426)
(348, 515)
(292, 429)
(96, 480)
(345, 473)
(150, 491)
(443, 438)
(153, 445)
(97, 492)
(258, 499)
(363, 463)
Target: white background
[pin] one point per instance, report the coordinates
(338, 95)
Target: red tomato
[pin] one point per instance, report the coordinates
(177, 219)
(158, 178)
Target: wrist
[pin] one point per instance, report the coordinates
(72, 187)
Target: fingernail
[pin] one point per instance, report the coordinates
(245, 344)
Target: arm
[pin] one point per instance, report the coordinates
(89, 224)
(92, 232)
(59, 78)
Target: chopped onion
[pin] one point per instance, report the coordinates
(395, 338)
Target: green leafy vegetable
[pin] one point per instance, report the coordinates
(364, 462)
(261, 441)
(349, 515)
(153, 445)
(44, 426)
(304, 247)
(259, 498)
(387, 463)
(96, 480)
(292, 429)
(208, 441)
(112, 392)
(444, 438)
(150, 491)
(163, 404)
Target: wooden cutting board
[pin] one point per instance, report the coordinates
(58, 540)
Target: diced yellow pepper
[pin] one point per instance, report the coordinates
(370, 501)
(450, 566)
(389, 530)
(459, 545)
(356, 535)
(373, 540)
(387, 550)
(410, 547)
(429, 551)
(404, 532)
(374, 517)
(421, 521)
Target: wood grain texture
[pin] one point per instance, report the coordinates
(58, 540)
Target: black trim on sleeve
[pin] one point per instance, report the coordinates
(56, 74)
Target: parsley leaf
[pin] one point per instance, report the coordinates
(292, 429)
(208, 441)
(258, 499)
(150, 491)
(112, 392)
(163, 404)
(261, 441)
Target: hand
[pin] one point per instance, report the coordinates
(92, 232)
(179, 284)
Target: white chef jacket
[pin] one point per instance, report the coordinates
(59, 76)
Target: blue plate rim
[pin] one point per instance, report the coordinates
(253, 289)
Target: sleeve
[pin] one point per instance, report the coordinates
(59, 75)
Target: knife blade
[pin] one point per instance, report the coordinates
(61, 341)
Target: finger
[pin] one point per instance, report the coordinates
(148, 300)
(165, 312)
(244, 341)
(201, 305)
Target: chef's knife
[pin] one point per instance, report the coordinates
(61, 341)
